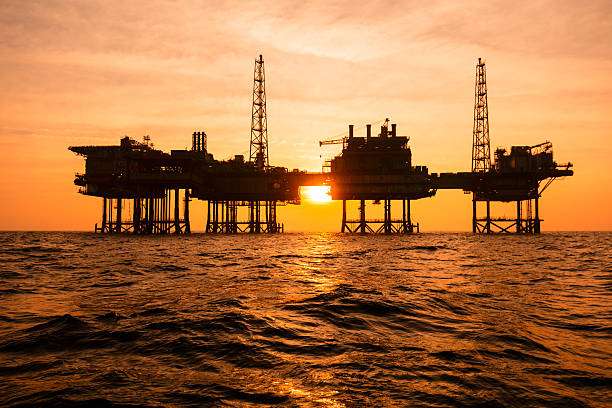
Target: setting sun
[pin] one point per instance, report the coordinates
(316, 194)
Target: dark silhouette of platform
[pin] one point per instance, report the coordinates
(147, 191)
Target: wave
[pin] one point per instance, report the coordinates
(305, 320)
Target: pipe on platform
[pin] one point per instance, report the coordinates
(350, 131)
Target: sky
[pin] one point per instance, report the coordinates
(87, 73)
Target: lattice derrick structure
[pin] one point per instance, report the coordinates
(481, 145)
(259, 121)
(525, 221)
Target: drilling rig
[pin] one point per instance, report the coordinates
(259, 118)
(520, 175)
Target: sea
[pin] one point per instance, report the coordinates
(306, 320)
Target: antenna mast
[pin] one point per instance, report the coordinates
(481, 146)
(259, 121)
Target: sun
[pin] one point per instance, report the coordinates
(316, 194)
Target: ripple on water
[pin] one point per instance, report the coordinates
(305, 320)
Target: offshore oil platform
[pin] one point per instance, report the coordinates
(147, 191)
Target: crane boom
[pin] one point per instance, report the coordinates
(332, 141)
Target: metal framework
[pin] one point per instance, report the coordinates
(526, 157)
(142, 188)
(481, 145)
(222, 217)
(527, 220)
(259, 120)
(385, 226)
(159, 215)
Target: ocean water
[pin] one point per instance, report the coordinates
(306, 320)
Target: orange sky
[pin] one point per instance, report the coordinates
(90, 72)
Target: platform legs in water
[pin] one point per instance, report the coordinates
(387, 225)
(230, 217)
(165, 214)
(169, 214)
(526, 221)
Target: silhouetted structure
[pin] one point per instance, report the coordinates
(225, 213)
(141, 187)
(515, 177)
(259, 118)
(481, 144)
(518, 176)
(147, 191)
(377, 168)
(159, 187)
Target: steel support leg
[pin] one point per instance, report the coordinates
(474, 219)
(136, 216)
(215, 217)
(343, 228)
(387, 220)
(103, 215)
(257, 217)
(109, 213)
(519, 221)
(252, 217)
(227, 217)
(187, 225)
(208, 220)
(409, 217)
(537, 215)
(119, 215)
(488, 217)
(362, 217)
(235, 217)
(177, 225)
(150, 216)
(271, 217)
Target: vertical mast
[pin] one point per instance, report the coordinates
(481, 146)
(259, 121)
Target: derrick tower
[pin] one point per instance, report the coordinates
(481, 145)
(223, 214)
(514, 176)
(259, 120)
